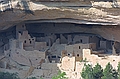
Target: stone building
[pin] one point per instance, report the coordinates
(76, 50)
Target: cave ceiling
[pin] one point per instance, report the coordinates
(105, 20)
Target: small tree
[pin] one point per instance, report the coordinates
(97, 71)
(87, 72)
(107, 73)
(61, 75)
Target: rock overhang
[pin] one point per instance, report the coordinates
(104, 21)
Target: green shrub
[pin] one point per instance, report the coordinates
(7, 75)
(97, 71)
(107, 73)
(61, 75)
(87, 72)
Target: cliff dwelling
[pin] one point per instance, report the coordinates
(40, 37)
(56, 40)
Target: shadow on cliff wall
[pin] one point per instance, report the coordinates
(26, 7)
(12, 5)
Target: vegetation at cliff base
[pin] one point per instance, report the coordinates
(7, 75)
(97, 72)
(60, 75)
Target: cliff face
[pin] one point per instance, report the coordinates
(103, 16)
(39, 26)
